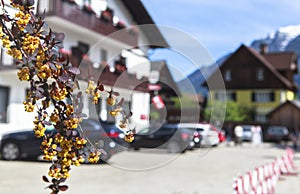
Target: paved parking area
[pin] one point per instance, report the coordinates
(202, 171)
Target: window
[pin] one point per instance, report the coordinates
(222, 96)
(4, 97)
(260, 74)
(261, 118)
(227, 75)
(263, 96)
(5, 58)
(83, 47)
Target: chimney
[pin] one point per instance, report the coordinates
(264, 48)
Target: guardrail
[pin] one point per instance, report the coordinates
(263, 179)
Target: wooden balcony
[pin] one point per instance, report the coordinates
(86, 18)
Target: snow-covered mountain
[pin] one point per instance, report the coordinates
(284, 39)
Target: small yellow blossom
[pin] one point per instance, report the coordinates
(29, 107)
(94, 157)
(23, 74)
(111, 100)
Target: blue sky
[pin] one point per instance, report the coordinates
(219, 25)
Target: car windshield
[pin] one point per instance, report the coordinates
(248, 129)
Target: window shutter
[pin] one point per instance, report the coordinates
(272, 96)
(233, 96)
(253, 96)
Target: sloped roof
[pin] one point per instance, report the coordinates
(165, 76)
(295, 103)
(265, 62)
(281, 60)
(141, 16)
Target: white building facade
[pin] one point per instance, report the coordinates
(104, 33)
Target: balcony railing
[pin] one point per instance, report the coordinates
(86, 18)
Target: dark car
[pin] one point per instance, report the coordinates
(277, 133)
(169, 137)
(24, 144)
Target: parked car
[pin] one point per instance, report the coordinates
(23, 144)
(171, 137)
(277, 133)
(247, 133)
(210, 134)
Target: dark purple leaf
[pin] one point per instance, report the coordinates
(59, 149)
(59, 37)
(45, 179)
(5, 18)
(40, 89)
(77, 84)
(64, 77)
(43, 15)
(39, 94)
(74, 70)
(52, 66)
(15, 30)
(18, 2)
(62, 180)
(47, 123)
(100, 87)
(30, 2)
(79, 94)
(61, 103)
(121, 102)
(29, 28)
(116, 93)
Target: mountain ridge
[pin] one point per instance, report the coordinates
(285, 38)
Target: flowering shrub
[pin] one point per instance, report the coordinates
(35, 48)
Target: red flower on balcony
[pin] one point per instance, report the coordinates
(106, 16)
(120, 25)
(88, 8)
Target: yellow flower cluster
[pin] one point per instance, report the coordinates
(111, 100)
(30, 43)
(5, 41)
(22, 19)
(59, 94)
(15, 53)
(44, 72)
(115, 112)
(129, 136)
(49, 149)
(72, 123)
(29, 107)
(80, 143)
(70, 110)
(94, 157)
(93, 91)
(66, 155)
(54, 117)
(40, 58)
(123, 124)
(24, 74)
(39, 128)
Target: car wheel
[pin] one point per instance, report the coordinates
(174, 147)
(10, 151)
